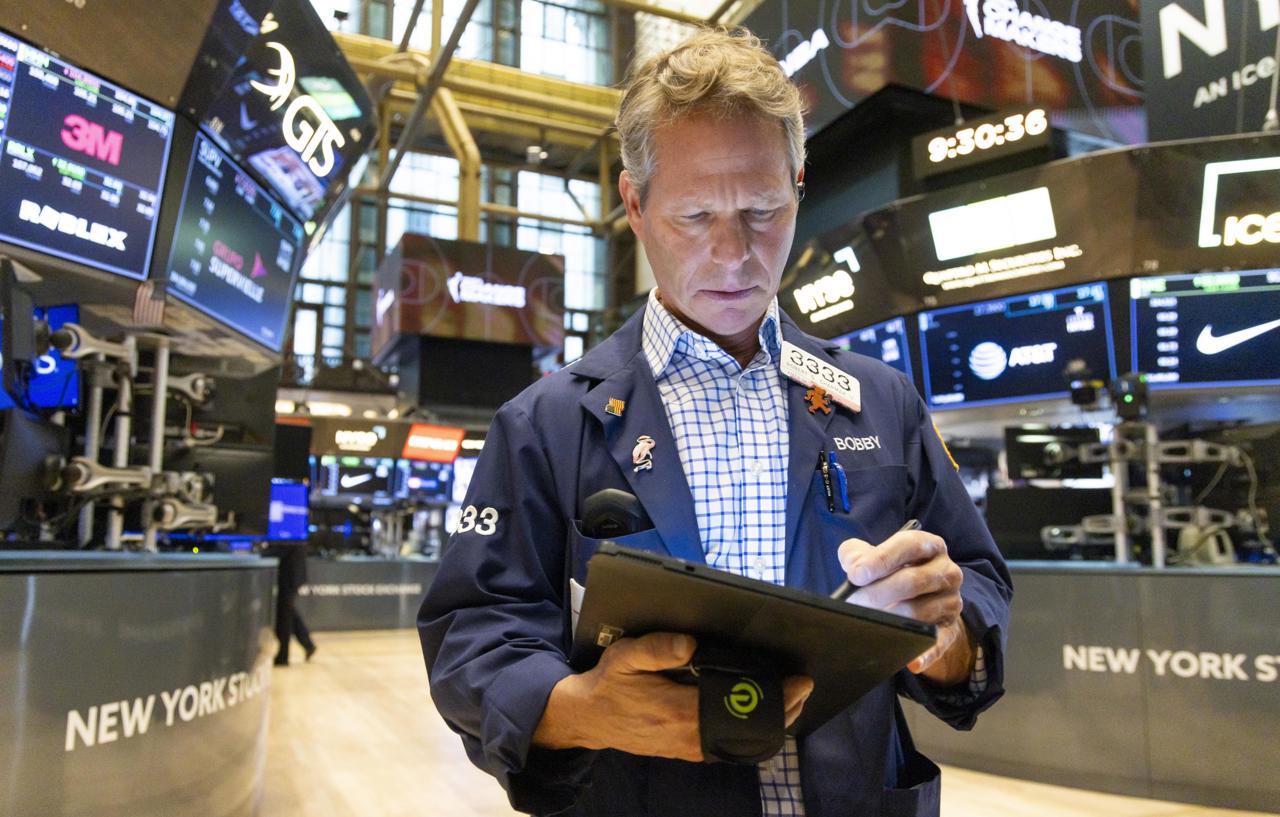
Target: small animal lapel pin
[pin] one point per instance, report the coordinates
(642, 454)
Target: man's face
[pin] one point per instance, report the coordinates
(718, 220)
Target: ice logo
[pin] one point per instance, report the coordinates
(988, 360)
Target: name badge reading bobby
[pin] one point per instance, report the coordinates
(808, 370)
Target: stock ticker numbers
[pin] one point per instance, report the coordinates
(82, 162)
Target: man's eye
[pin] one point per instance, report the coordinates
(757, 214)
(693, 218)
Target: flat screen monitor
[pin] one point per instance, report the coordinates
(1207, 329)
(287, 518)
(1014, 348)
(54, 382)
(425, 481)
(885, 341)
(235, 250)
(293, 111)
(82, 162)
(1049, 452)
(355, 476)
(241, 480)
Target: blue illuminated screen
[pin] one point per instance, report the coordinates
(1014, 348)
(1207, 329)
(55, 382)
(885, 341)
(287, 513)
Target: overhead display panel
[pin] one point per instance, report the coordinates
(1207, 329)
(293, 111)
(82, 162)
(886, 342)
(1065, 222)
(235, 249)
(145, 45)
(838, 284)
(1079, 58)
(1014, 348)
(467, 290)
(1209, 204)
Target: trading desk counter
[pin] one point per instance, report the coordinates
(364, 592)
(134, 684)
(1158, 683)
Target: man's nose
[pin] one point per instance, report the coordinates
(729, 245)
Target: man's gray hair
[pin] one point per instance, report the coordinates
(717, 71)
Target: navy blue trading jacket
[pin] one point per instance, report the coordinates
(495, 624)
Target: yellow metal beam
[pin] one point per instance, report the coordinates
(463, 145)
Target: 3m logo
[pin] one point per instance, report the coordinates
(743, 698)
(1247, 229)
(92, 139)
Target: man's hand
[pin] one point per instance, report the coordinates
(624, 703)
(911, 574)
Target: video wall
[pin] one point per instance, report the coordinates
(215, 199)
(1163, 259)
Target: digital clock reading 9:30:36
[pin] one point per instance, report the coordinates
(988, 135)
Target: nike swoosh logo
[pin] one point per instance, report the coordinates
(1210, 344)
(350, 481)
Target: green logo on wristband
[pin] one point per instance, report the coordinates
(743, 699)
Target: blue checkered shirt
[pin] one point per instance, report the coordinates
(730, 428)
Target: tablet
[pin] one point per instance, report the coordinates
(846, 649)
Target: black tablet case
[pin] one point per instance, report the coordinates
(845, 648)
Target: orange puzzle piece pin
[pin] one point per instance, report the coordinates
(818, 400)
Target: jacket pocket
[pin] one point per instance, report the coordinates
(581, 547)
(920, 791)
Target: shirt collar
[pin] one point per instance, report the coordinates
(665, 337)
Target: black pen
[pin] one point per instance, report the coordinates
(825, 467)
(847, 588)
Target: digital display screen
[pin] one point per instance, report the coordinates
(287, 518)
(1217, 328)
(431, 481)
(355, 476)
(294, 111)
(82, 162)
(235, 249)
(54, 382)
(1014, 348)
(886, 341)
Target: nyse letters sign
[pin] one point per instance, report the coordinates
(1208, 65)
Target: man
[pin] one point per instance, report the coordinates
(712, 146)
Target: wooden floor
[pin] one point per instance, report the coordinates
(353, 733)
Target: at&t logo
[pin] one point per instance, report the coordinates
(988, 359)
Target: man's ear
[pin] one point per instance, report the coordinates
(631, 201)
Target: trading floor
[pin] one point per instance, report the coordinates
(353, 733)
